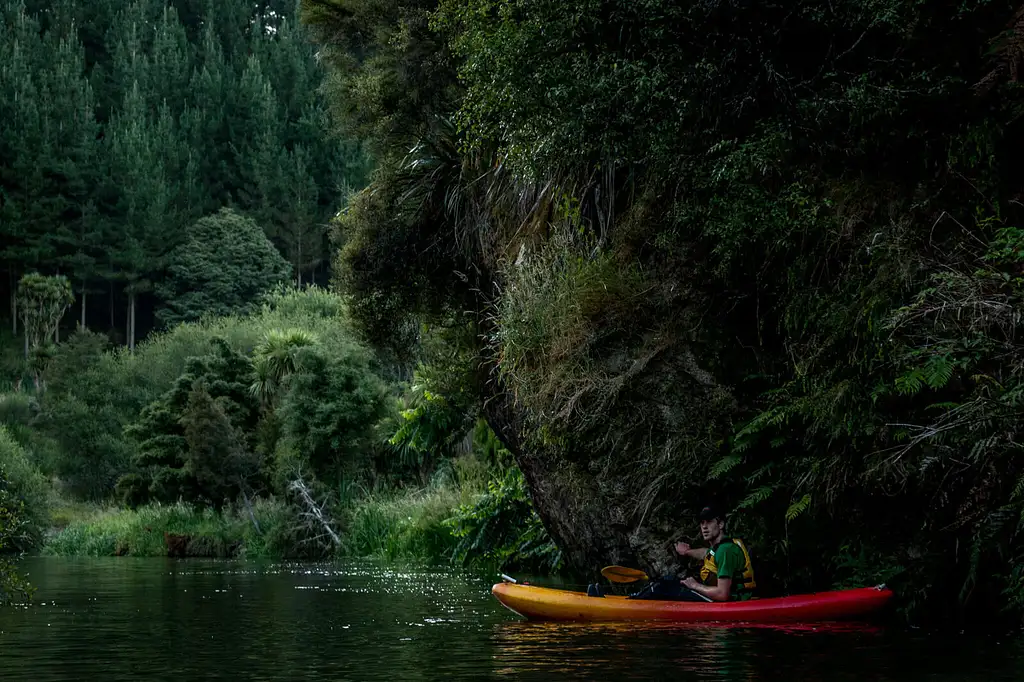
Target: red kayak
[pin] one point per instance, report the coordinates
(545, 603)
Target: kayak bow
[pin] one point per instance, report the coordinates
(545, 603)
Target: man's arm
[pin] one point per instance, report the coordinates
(684, 549)
(717, 592)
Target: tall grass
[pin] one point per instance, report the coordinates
(402, 526)
(140, 532)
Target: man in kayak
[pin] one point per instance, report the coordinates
(726, 574)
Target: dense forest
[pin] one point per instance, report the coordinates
(580, 268)
(127, 122)
(175, 379)
(766, 254)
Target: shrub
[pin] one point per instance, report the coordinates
(332, 401)
(194, 442)
(26, 489)
(224, 266)
(501, 528)
(12, 585)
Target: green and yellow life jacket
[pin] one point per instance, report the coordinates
(710, 567)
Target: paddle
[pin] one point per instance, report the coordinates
(621, 574)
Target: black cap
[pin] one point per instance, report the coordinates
(711, 512)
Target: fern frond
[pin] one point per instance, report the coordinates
(724, 466)
(938, 371)
(756, 497)
(910, 383)
(761, 472)
(1018, 489)
(798, 507)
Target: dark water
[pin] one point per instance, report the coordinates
(126, 619)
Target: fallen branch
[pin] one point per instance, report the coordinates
(314, 512)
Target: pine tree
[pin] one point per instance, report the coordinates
(125, 120)
(144, 231)
(212, 89)
(257, 153)
(170, 63)
(303, 232)
(28, 196)
(75, 236)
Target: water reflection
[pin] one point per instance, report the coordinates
(126, 619)
(834, 652)
(621, 650)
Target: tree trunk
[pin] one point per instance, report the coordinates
(82, 324)
(131, 322)
(14, 301)
(113, 324)
(567, 498)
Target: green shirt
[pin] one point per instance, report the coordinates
(731, 562)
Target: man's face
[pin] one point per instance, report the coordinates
(711, 529)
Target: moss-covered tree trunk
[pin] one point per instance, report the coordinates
(585, 526)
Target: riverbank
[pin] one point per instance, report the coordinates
(391, 527)
(473, 521)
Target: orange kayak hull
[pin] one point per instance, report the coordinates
(544, 603)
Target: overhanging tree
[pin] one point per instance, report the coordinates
(719, 247)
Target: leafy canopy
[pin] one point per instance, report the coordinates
(222, 268)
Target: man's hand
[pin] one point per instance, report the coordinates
(682, 548)
(690, 583)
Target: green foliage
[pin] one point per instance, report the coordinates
(17, 410)
(561, 309)
(26, 489)
(193, 442)
(388, 73)
(762, 253)
(401, 526)
(275, 359)
(501, 528)
(327, 414)
(125, 123)
(42, 301)
(94, 393)
(436, 417)
(23, 510)
(857, 564)
(13, 586)
(141, 532)
(223, 266)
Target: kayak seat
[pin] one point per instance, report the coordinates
(594, 590)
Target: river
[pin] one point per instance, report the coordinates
(152, 619)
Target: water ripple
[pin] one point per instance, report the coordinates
(127, 619)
